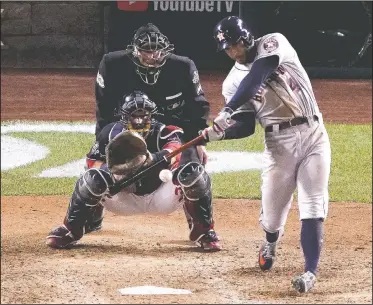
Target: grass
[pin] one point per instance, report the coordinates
(350, 180)
(351, 170)
(64, 147)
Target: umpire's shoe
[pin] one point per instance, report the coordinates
(267, 255)
(305, 282)
(60, 238)
(207, 239)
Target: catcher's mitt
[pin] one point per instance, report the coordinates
(126, 153)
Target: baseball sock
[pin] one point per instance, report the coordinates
(311, 240)
(271, 237)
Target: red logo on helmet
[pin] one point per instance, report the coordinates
(133, 6)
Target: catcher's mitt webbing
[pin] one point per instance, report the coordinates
(126, 153)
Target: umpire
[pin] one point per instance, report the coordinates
(173, 83)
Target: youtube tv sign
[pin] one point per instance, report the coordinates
(177, 6)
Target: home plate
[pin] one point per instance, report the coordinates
(152, 290)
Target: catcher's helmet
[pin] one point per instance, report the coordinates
(149, 50)
(136, 112)
(230, 31)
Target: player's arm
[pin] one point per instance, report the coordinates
(96, 157)
(241, 129)
(261, 69)
(244, 125)
(243, 120)
(272, 51)
(104, 109)
(250, 84)
(197, 108)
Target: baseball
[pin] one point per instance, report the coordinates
(165, 175)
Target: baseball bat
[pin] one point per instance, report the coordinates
(116, 187)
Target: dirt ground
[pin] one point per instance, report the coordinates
(128, 253)
(70, 96)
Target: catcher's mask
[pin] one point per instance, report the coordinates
(149, 50)
(136, 112)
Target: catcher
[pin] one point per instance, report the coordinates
(123, 149)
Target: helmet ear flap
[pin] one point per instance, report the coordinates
(248, 41)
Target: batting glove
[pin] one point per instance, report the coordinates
(211, 134)
(223, 120)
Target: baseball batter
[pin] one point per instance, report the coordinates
(268, 83)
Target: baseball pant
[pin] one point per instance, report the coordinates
(165, 200)
(296, 157)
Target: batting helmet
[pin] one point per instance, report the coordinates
(137, 111)
(230, 31)
(149, 50)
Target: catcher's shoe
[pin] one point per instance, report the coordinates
(197, 231)
(207, 239)
(305, 282)
(61, 237)
(267, 255)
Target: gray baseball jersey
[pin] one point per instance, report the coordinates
(286, 94)
(296, 156)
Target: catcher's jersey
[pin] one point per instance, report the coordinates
(286, 94)
(159, 138)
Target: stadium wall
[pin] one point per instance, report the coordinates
(51, 34)
(333, 39)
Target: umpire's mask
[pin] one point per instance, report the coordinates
(149, 51)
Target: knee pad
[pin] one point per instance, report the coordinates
(89, 190)
(92, 186)
(194, 181)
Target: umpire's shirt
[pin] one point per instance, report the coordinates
(177, 93)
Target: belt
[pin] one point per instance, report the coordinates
(292, 122)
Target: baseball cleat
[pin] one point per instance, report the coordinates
(60, 238)
(267, 255)
(206, 238)
(305, 282)
(209, 241)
